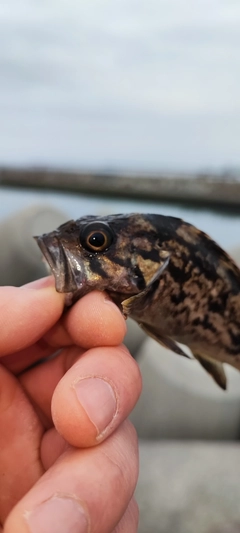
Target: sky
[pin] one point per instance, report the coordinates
(146, 85)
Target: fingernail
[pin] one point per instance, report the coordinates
(98, 399)
(58, 515)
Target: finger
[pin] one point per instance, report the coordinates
(91, 398)
(41, 381)
(130, 519)
(96, 395)
(17, 362)
(92, 321)
(20, 434)
(86, 490)
(52, 447)
(26, 315)
(95, 321)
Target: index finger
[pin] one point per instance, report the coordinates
(27, 313)
(92, 321)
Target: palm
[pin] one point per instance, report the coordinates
(21, 433)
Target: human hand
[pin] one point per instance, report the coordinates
(53, 477)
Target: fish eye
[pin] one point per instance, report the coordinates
(96, 236)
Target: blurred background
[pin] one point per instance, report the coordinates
(123, 106)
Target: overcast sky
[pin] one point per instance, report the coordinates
(130, 84)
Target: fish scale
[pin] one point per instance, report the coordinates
(163, 272)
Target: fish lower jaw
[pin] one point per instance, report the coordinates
(69, 299)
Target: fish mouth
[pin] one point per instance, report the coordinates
(67, 270)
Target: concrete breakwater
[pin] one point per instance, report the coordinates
(203, 189)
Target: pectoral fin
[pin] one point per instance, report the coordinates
(164, 341)
(137, 302)
(216, 370)
(142, 298)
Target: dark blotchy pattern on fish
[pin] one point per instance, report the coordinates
(177, 283)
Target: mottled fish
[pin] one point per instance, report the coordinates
(169, 276)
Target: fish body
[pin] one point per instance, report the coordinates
(166, 274)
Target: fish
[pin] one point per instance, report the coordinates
(170, 277)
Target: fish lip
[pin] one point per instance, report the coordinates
(45, 251)
(57, 256)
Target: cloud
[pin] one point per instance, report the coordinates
(135, 82)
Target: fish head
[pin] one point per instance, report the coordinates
(113, 253)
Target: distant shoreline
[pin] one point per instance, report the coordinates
(200, 189)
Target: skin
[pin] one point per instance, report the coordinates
(58, 471)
